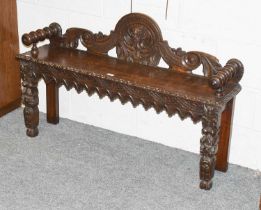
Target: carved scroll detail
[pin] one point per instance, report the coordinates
(30, 98)
(99, 43)
(209, 145)
(188, 61)
(70, 39)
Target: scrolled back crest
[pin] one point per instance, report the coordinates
(138, 38)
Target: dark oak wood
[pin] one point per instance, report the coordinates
(224, 139)
(52, 102)
(10, 94)
(134, 76)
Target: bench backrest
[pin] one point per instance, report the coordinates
(138, 38)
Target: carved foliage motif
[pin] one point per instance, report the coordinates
(138, 40)
(209, 145)
(135, 47)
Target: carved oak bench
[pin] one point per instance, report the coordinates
(134, 76)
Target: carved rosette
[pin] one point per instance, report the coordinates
(30, 98)
(138, 38)
(209, 145)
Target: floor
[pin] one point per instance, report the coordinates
(76, 166)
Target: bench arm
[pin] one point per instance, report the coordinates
(232, 71)
(34, 37)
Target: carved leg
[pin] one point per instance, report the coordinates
(224, 140)
(52, 102)
(208, 146)
(30, 100)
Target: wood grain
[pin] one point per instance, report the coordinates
(10, 85)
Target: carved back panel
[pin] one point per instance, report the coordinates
(138, 38)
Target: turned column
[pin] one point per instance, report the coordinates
(30, 99)
(209, 145)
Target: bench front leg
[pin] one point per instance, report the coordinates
(208, 146)
(30, 100)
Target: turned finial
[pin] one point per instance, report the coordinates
(34, 37)
(233, 70)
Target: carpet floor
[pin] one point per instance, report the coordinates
(77, 166)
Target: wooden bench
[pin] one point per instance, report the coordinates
(134, 76)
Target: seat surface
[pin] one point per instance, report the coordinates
(162, 79)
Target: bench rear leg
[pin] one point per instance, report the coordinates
(30, 100)
(208, 146)
(52, 102)
(225, 133)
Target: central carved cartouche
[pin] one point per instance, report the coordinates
(138, 46)
(138, 38)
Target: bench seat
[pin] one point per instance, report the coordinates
(153, 78)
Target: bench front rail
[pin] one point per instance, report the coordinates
(134, 76)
